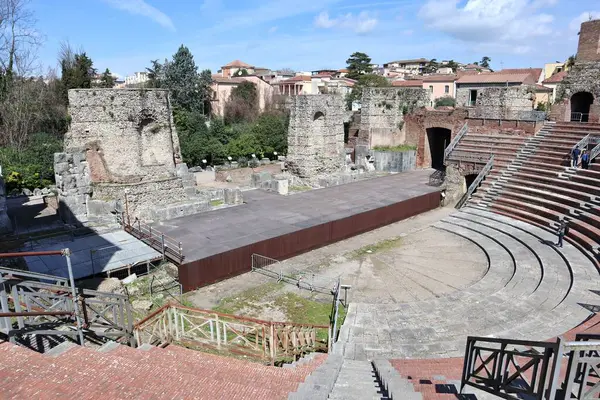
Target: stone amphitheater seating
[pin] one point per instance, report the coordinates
(120, 372)
(538, 186)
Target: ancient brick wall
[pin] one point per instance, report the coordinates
(128, 134)
(420, 121)
(582, 77)
(589, 42)
(316, 134)
(506, 127)
(383, 111)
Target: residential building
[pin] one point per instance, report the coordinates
(222, 87)
(299, 84)
(543, 95)
(412, 83)
(536, 73)
(444, 70)
(468, 86)
(553, 82)
(414, 66)
(230, 70)
(551, 69)
(474, 67)
(136, 79)
(274, 77)
(440, 85)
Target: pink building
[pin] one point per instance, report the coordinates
(439, 85)
(223, 86)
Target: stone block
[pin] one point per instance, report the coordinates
(60, 167)
(233, 196)
(100, 208)
(281, 186)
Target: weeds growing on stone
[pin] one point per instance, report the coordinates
(399, 148)
(374, 248)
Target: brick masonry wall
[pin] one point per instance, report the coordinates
(589, 42)
(316, 135)
(516, 127)
(128, 133)
(383, 112)
(418, 122)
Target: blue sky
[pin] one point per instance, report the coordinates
(124, 35)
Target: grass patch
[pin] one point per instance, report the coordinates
(306, 311)
(299, 188)
(216, 203)
(248, 299)
(396, 149)
(374, 248)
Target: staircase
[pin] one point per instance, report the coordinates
(120, 372)
(539, 186)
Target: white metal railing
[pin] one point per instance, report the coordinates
(463, 131)
(595, 152)
(579, 117)
(486, 170)
(265, 339)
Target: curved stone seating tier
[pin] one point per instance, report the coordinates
(530, 291)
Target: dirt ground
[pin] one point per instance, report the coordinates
(401, 262)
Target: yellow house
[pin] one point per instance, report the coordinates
(553, 68)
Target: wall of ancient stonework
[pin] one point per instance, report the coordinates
(506, 127)
(418, 122)
(589, 42)
(514, 102)
(5, 224)
(383, 111)
(128, 134)
(72, 176)
(316, 135)
(582, 77)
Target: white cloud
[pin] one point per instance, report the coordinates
(583, 17)
(140, 7)
(500, 23)
(273, 29)
(360, 23)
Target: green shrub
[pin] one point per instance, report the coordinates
(445, 101)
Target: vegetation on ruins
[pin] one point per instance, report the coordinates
(367, 80)
(445, 101)
(398, 149)
(358, 64)
(570, 62)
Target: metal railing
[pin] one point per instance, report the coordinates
(169, 247)
(302, 279)
(511, 369)
(595, 152)
(482, 174)
(59, 305)
(579, 117)
(254, 337)
(462, 132)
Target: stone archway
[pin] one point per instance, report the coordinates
(580, 106)
(437, 141)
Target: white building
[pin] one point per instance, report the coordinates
(136, 79)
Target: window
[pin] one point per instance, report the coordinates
(431, 88)
(472, 97)
(446, 89)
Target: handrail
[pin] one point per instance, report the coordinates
(482, 174)
(595, 152)
(35, 275)
(169, 247)
(463, 131)
(582, 143)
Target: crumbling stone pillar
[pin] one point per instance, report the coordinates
(316, 135)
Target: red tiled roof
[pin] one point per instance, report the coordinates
(228, 80)
(413, 61)
(496, 77)
(534, 72)
(344, 70)
(440, 78)
(409, 83)
(541, 88)
(299, 78)
(556, 78)
(237, 64)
